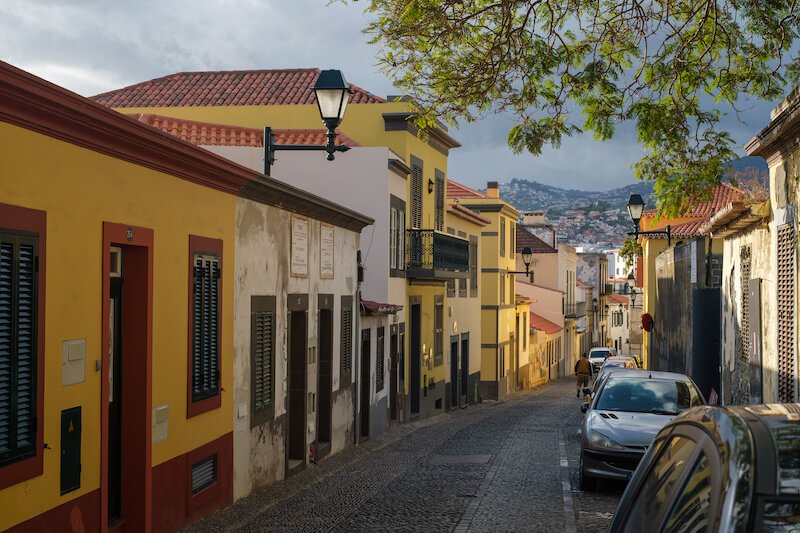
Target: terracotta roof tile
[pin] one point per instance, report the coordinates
(226, 88)
(542, 324)
(457, 190)
(618, 298)
(537, 245)
(210, 134)
(723, 194)
(378, 308)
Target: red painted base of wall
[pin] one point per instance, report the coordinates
(174, 506)
(80, 515)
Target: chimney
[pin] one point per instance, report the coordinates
(493, 189)
(533, 218)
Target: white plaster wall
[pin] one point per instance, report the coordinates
(262, 268)
(761, 266)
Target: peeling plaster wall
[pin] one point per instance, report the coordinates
(263, 247)
(735, 370)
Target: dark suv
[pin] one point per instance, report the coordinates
(718, 469)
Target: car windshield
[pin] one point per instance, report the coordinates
(638, 395)
(598, 354)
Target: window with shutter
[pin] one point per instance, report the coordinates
(744, 279)
(438, 334)
(473, 266)
(393, 239)
(18, 346)
(439, 190)
(346, 341)
(379, 353)
(787, 365)
(262, 359)
(401, 245)
(416, 194)
(204, 324)
(502, 236)
(397, 232)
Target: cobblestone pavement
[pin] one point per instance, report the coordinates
(506, 466)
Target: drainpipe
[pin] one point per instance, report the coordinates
(708, 263)
(357, 351)
(497, 348)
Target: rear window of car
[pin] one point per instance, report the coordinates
(596, 354)
(642, 395)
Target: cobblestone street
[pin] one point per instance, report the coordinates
(509, 466)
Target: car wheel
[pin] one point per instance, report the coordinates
(587, 483)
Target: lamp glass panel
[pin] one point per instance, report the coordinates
(635, 210)
(332, 103)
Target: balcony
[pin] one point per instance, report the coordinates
(575, 310)
(431, 254)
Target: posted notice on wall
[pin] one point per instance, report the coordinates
(299, 246)
(326, 251)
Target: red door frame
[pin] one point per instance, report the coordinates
(137, 401)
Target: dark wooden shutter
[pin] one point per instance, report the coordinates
(439, 190)
(379, 353)
(787, 366)
(346, 341)
(205, 345)
(438, 334)
(502, 236)
(416, 196)
(744, 280)
(262, 358)
(18, 349)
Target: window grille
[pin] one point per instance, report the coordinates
(205, 326)
(379, 354)
(744, 278)
(204, 474)
(787, 365)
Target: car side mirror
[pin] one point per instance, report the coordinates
(585, 407)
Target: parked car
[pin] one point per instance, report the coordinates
(629, 408)
(597, 356)
(615, 361)
(637, 358)
(719, 469)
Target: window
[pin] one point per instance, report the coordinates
(439, 191)
(502, 289)
(525, 331)
(438, 334)
(204, 324)
(397, 234)
(262, 359)
(502, 236)
(451, 288)
(346, 341)
(379, 352)
(473, 266)
(416, 193)
(19, 346)
(657, 489)
(512, 235)
(462, 288)
(691, 511)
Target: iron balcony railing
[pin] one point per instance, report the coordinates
(429, 251)
(575, 310)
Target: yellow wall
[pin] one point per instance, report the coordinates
(80, 189)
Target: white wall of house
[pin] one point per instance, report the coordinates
(263, 251)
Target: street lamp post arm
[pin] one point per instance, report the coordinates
(270, 147)
(655, 233)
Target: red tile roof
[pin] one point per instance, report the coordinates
(537, 245)
(377, 308)
(457, 190)
(542, 324)
(466, 212)
(226, 88)
(722, 195)
(618, 298)
(209, 134)
(579, 283)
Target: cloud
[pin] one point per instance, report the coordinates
(92, 46)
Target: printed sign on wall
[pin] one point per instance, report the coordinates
(326, 251)
(299, 246)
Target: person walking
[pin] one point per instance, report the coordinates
(583, 371)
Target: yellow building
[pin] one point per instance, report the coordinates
(499, 335)
(119, 247)
(544, 337)
(283, 99)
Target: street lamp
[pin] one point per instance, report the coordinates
(527, 255)
(633, 297)
(635, 208)
(332, 93)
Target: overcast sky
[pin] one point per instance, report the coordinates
(92, 46)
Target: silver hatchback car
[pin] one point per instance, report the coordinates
(629, 408)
